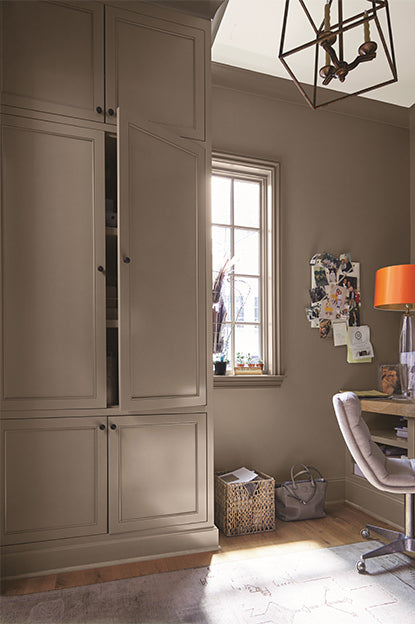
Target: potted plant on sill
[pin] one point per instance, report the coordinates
(240, 364)
(220, 364)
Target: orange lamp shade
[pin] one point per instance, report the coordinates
(395, 287)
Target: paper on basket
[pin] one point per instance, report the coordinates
(242, 475)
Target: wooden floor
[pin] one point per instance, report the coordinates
(341, 526)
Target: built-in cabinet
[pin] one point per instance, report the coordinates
(55, 480)
(55, 54)
(106, 428)
(53, 247)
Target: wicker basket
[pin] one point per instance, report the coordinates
(243, 508)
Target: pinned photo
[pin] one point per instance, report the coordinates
(325, 327)
(319, 276)
(345, 263)
(317, 294)
(313, 312)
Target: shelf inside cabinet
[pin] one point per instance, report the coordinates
(386, 436)
(113, 323)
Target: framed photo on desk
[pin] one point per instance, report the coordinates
(390, 376)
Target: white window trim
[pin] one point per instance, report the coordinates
(271, 269)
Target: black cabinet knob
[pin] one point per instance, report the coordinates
(99, 109)
(100, 268)
(113, 426)
(102, 427)
(111, 112)
(126, 260)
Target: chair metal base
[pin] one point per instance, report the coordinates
(401, 542)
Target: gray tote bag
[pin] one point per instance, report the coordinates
(301, 499)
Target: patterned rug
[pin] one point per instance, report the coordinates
(312, 587)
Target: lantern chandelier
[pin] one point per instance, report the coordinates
(339, 54)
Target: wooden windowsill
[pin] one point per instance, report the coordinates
(247, 381)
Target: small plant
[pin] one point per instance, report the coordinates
(240, 359)
(221, 357)
(249, 360)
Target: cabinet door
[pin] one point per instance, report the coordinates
(53, 296)
(157, 472)
(162, 269)
(156, 68)
(54, 482)
(53, 57)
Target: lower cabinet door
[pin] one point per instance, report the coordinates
(54, 478)
(157, 472)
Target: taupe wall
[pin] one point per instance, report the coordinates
(344, 187)
(412, 178)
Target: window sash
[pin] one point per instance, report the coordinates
(267, 174)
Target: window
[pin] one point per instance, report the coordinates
(246, 266)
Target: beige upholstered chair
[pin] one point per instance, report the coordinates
(387, 474)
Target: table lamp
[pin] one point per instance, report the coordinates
(395, 290)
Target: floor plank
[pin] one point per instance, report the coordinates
(341, 526)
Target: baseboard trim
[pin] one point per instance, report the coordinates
(384, 506)
(45, 558)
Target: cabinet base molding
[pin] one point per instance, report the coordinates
(54, 557)
(386, 507)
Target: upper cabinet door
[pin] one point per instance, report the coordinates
(157, 68)
(52, 246)
(53, 57)
(162, 264)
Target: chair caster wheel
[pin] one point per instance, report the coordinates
(361, 566)
(365, 533)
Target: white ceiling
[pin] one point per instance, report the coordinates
(250, 31)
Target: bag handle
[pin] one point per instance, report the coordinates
(306, 470)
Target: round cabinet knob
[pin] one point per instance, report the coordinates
(99, 109)
(102, 427)
(113, 427)
(111, 112)
(126, 260)
(100, 268)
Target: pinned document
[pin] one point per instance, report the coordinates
(359, 347)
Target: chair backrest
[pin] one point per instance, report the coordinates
(368, 456)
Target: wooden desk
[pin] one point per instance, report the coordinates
(383, 415)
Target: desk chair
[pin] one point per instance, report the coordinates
(387, 474)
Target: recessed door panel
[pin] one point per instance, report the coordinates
(54, 57)
(54, 478)
(158, 471)
(53, 296)
(162, 269)
(167, 61)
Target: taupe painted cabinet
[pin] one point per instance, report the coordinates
(46, 460)
(53, 242)
(156, 467)
(163, 285)
(149, 61)
(84, 483)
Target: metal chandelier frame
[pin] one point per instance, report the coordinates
(325, 38)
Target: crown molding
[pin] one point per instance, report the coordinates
(281, 89)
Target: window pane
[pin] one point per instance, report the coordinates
(247, 203)
(247, 252)
(247, 295)
(221, 200)
(247, 340)
(221, 247)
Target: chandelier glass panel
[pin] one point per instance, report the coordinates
(333, 49)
